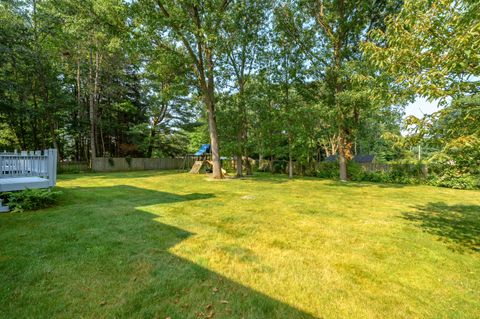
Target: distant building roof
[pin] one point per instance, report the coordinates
(331, 158)
(364, 158)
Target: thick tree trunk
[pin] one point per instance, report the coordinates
(212, 124)
(238, 165)
(209, 94)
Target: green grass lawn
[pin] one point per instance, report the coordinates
(162, 244)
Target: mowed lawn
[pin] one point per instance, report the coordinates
(170, 245)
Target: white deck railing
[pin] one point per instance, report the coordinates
(27, 164)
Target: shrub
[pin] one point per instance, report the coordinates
(457, 165)
(128, 159)
(30, 199)
(376, 177)
(451, 179)
(327, 170)
(280, 166)
(355, 172)
(404, 174)
(440, 174)
(331, 170)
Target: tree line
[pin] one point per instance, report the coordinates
(293, 80)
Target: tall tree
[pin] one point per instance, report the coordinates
(332, 31)
(195, 25)
(244, 33)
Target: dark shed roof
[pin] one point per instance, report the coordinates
(364, 158)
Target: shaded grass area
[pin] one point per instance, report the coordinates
(153, 244)
(455, 224)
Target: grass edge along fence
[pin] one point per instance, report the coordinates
(398, 173)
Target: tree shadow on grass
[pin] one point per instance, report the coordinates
(458, 225)
(102, 254)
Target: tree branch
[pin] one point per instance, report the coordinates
(180, 34)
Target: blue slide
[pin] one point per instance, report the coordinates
(204, 149)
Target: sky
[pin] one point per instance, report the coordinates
(420, 107)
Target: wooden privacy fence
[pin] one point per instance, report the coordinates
(73, 167)
(106, 164)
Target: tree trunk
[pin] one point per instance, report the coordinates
(96, 96)
(248, 166)
(35, 122)
(342, 158)
(289, 121)
(212, 121)
(342, 161)
(238, 157)
(244, 128)
(102, 140)
(290, 166)
(212, 124)
(78, 117)
(93, 149)
(153, 132)
(238, 165)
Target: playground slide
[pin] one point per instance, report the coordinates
(204, 149)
